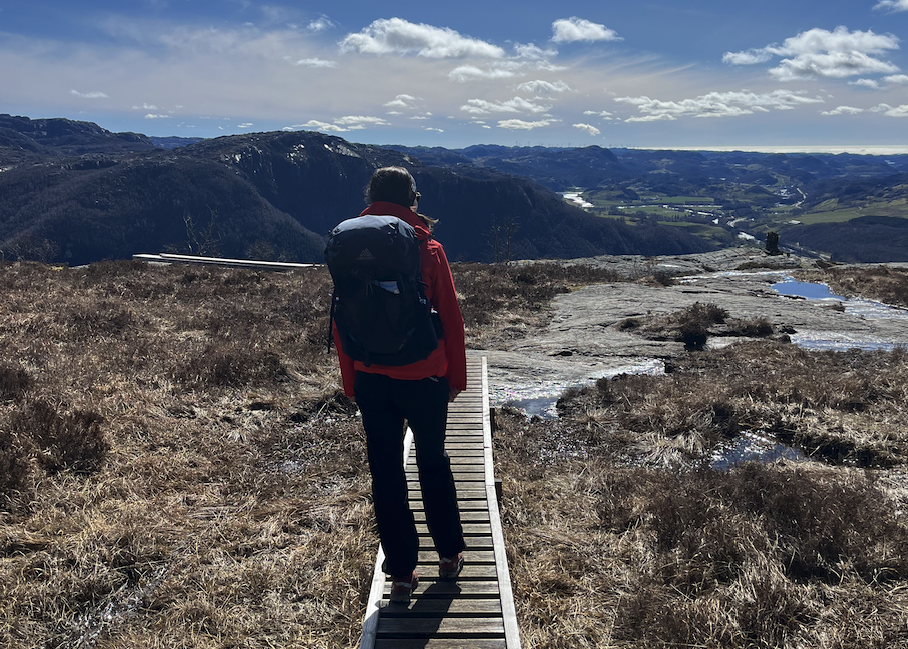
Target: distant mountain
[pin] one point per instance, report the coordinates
(73, 192)
(557, 169)
(22, 139)
(172, 141)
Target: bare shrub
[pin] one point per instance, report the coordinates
(71, 441)
(14, 381)
(231, 365)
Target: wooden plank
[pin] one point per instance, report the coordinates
(470, 571)
(465, 516)
(477, 556)
(509, 614)
(437, 589)
(440, 626)
(441, 643)
(463, 607)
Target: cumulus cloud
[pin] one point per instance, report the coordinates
(398, 36)
(316, 63)
(521, 125)
(320, 24)
(156, 116)
(145, 107)
(464, 73)
(324, 127)
(604, 114)
(843, 110)
(88, 95)
(750, 57)
(716, 104)
(541, 87)
(515, 105)
(825, 54)
(341, 124)
(891, 111)
(892, 5)
(360, 120)
(432, 128)
(866, 83)
(533, 52)
(567, 30)
(403, 101)
(896, 79)
(592, 130)
(245, 125)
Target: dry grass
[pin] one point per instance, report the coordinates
(881, 283)
(178, 469)
(621, 535)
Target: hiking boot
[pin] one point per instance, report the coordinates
(449, 568)
(402, 588)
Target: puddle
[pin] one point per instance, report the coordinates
(750, 447)
(539, 399)
(807, 290)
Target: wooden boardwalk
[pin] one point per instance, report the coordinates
(477, 610)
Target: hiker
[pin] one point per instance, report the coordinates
(418, 392)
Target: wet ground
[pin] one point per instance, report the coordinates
(584, 341)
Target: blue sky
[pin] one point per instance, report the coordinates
(801, 74)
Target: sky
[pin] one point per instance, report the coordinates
(699, 74)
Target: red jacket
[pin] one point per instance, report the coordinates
(449, 358)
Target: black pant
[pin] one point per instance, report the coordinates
(385, 403)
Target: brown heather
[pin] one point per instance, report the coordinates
(179, 469)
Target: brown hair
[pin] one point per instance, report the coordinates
(395, 185)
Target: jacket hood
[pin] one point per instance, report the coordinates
(405, 214)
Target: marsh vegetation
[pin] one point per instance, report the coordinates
(179, 469)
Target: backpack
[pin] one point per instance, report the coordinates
(379, 303)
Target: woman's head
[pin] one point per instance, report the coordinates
(392, 185)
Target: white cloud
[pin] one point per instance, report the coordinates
(155, 116)
(604, 114)
(567, 30)
(716, 104)
(320, 24)
(843, 110)
(533, 52)
(359, 120)
(896, 78)
(316, 125)
(316, 63)
(88, 95)
(541, 87)
(515, 105)
(750, 57)
(893, 5)
(436, 130)
(465, 73)
(866, 83)
(891, 111)
(521, 125)
(821, 53)
(145, 107)
(402, 101)
(398, 36)
(592, 130)
(245, 125)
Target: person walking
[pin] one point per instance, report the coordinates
(419, 393)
